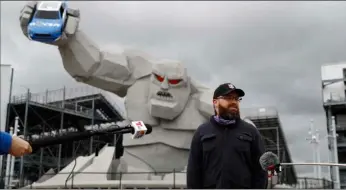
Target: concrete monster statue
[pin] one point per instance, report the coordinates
(158, 92)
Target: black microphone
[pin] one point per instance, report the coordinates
(137, 128)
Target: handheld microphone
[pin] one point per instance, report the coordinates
(137, 128)
(270, 162)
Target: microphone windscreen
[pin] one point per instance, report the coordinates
(149, 129)
(268, 159)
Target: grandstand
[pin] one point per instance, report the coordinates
(268, 122)
(53, 111)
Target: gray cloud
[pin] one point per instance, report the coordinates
(273, 50)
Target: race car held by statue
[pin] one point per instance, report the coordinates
(48, 21)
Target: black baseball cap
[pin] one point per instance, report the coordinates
(227, 88)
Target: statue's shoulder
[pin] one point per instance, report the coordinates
(139, 62)
(203, 96)
(198, 88)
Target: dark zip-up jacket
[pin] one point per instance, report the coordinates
(226, 157)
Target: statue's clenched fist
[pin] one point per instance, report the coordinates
(19, 147)
(49, 22)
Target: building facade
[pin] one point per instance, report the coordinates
(334, 102)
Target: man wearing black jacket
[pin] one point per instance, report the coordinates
(225, 151)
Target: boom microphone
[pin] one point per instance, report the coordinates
(270, 162)
(137, 128)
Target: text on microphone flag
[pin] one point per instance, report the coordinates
(139, 129)
(139, 124)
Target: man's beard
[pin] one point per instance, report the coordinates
(228, 114)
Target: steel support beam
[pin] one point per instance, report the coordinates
(61, 126)
(21, 171)
(92, 123)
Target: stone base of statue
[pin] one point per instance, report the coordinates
(103, 171)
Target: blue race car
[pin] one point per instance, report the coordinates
(48, 21)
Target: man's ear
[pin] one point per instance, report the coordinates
(214, 102)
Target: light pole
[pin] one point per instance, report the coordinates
(314, 139)
(332, 137)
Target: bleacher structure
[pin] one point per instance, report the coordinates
(268, 123)
(73, 109)
(53, 111)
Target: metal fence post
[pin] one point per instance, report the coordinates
(72, 180)
(121, 175)
(61, 126)
(174, 178)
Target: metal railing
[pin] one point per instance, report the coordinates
(313, 183)
(260, 112)
(133, 180)
(334, 97)
(34, 98)
(54, 98)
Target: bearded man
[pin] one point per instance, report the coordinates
(225, 151)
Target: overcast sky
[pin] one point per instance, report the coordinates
(272, 50)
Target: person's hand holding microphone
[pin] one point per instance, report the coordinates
(19, 147)
(13, 145)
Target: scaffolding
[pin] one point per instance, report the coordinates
(268, 123)
(43, 114)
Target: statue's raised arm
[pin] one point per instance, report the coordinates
(82, 58)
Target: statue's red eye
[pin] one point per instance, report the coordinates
(159, 78)
(174, 81)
